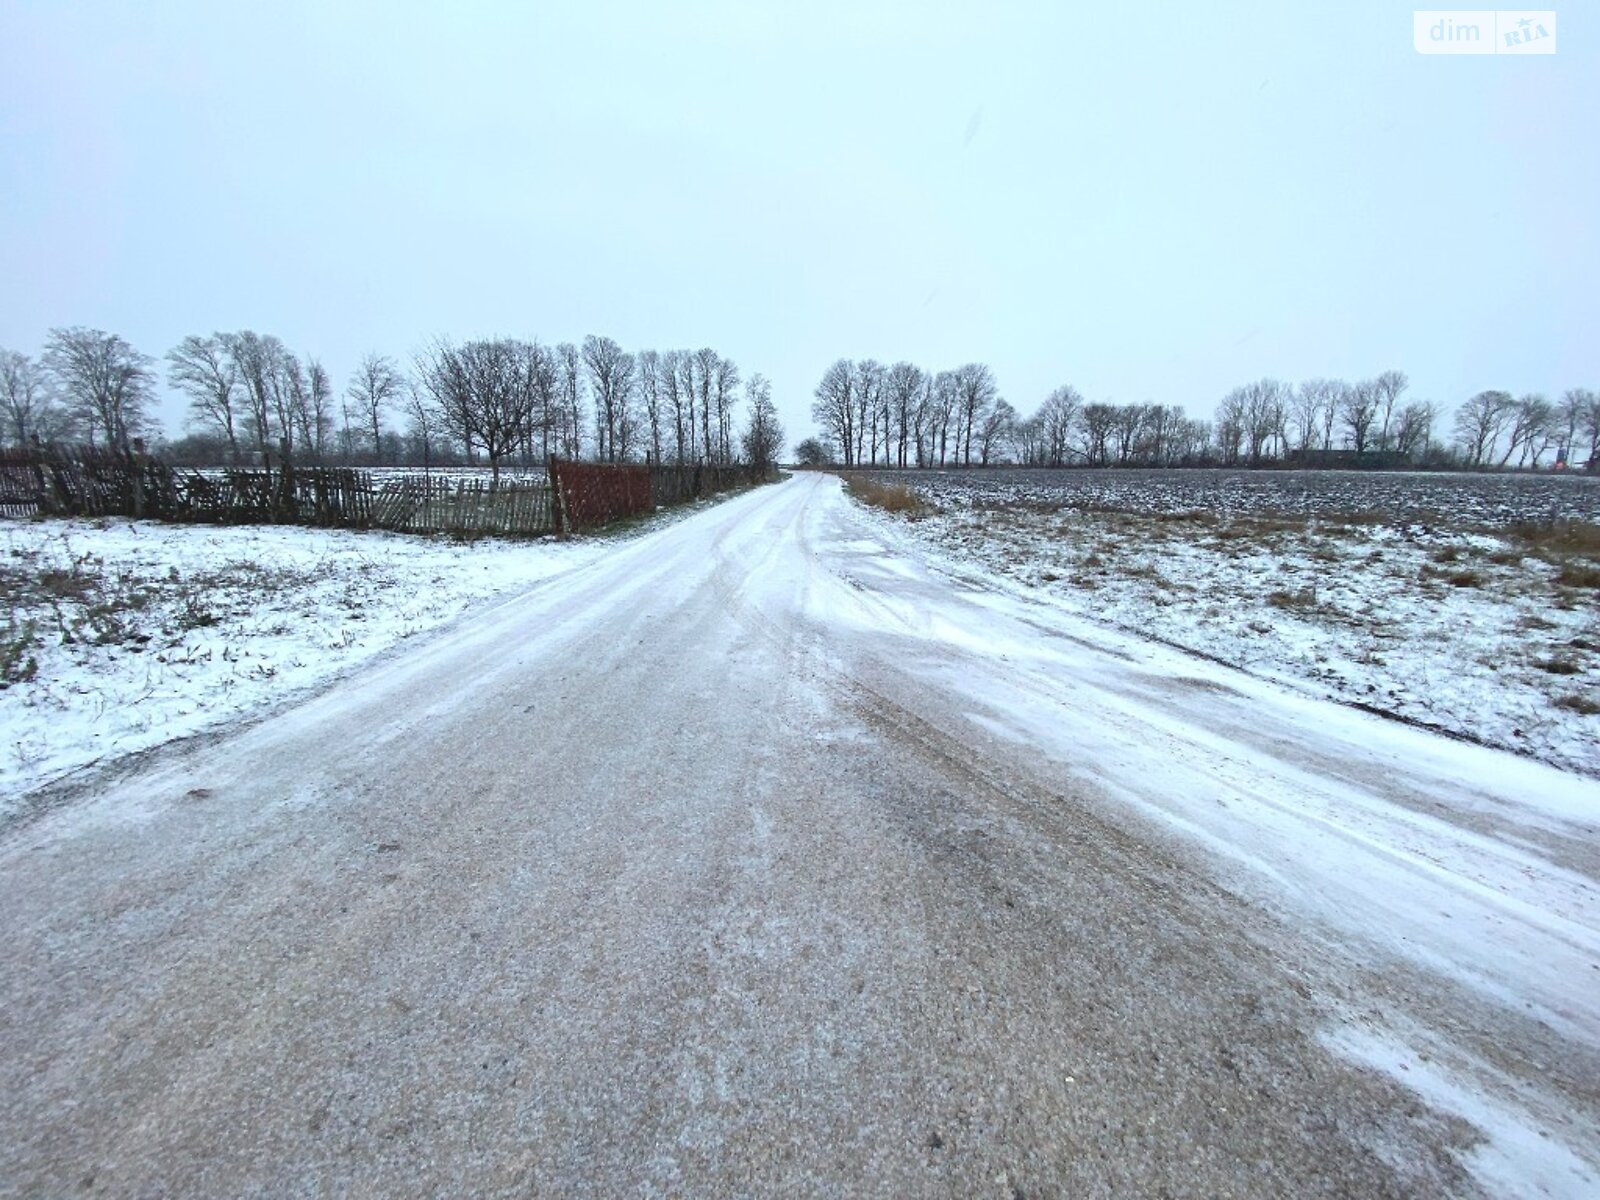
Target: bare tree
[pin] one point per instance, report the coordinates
(1310, 406)
(374, 389)
(902, 388)
(677, 402)
(1567, 420)
(942, 407)
(1478, 425)
(202, 369)
(1387, 389)
(1588, 402)
(1414, 428)
(1096, 423)
(813, 452)
(975, 393)
(611, 380)
(424, 419)
(706, 361)
(996, 427)
(319, 408)
(1359, 412)
(763, 434)
(1332, 406)
(1057, 417)
(103, 380)
(832, 407)
(1530, 430)
(483, 391)
(1162, 423)
(1127, 423)
(652, 395)
(25, 396)
(1230, 426)
(569, 373)
(727, 382)
(1264, 413)
(868, 394)
(262, 364)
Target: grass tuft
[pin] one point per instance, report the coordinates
(1578, 704)
(891, 497)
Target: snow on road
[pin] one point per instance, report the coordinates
(764, 854)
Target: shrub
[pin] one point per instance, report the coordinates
(17, 661)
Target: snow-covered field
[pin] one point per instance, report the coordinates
(121, 635)
(1440, 599)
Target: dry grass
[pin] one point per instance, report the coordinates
(1466, 578)
(1558, 539)
(1574, 702)
(1300, 601)
(891, 497)
(1578, 575)
(1559, 664)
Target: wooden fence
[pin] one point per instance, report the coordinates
(86, 481)
(593, 494)
(91, 482)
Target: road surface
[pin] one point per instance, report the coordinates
(763, 858)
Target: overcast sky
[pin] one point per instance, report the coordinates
(1152, 202)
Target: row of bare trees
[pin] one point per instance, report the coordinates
(903, 416)
(250, 397)
(87, 384)
(1493, 428)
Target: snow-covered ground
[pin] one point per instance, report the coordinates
(1462, 624)
(121, 635)
(1207, 933)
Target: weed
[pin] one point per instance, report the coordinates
(1299, 601)
(1464, 579)
(1559, 665)
(1578, 575)
(891, 497)
(1578, 704)
(1559, 538)
(18, 664)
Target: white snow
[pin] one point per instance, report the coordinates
(1384, 844)
(1385, 848)
(1364, 612)
(149, 632)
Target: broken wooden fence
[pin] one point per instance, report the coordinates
(94, 482)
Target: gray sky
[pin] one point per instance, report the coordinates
(1151, 202)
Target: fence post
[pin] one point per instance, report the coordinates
(284, 504)
(558, 503)
(137, 464)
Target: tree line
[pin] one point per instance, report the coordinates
(903, 416)
(497, 400)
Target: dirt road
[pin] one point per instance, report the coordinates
(761, 858)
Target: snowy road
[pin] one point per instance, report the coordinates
(760, 858)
